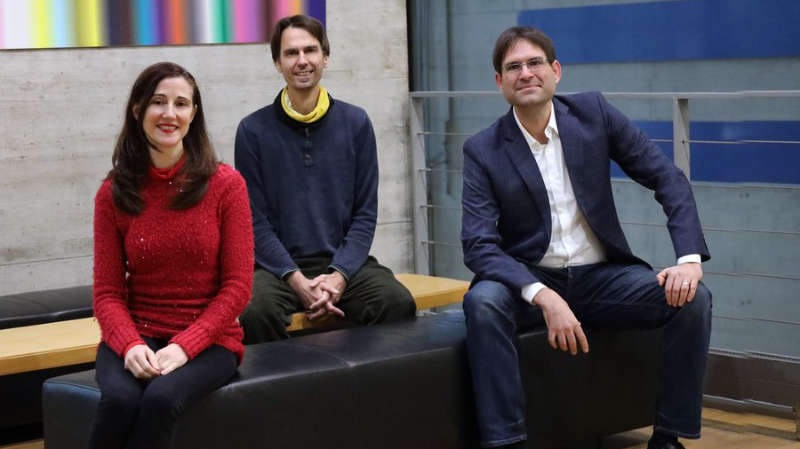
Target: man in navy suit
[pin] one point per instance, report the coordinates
(541, 233)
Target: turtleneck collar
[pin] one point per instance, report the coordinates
(319, 111)
(167, 174)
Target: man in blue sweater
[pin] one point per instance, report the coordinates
(311, 167)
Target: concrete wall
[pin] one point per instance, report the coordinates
(61, 110)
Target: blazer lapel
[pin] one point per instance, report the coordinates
(521, 157)
(568, 132)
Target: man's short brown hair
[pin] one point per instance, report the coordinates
(510, 36)
(310, 24)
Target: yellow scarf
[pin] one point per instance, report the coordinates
(323, 103)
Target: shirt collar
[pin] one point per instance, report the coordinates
(549, 130)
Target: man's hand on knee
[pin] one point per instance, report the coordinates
(680, 282)
(563, 329)
(302, 288)
(324, 306)
(331, 287)
(333, 283)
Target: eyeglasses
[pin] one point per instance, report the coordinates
(534, 65)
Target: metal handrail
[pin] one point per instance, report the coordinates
(737, 95)
(681, 145)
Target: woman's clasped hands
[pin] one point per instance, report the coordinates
(143, 363)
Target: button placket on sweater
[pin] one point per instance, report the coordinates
(307, 145)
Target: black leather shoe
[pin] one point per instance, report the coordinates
(661, 444)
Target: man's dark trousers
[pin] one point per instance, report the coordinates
(372, 296)
(602, 295)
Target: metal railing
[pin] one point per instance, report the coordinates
(681, 142)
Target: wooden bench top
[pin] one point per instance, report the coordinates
(62, 343)
(73, 342)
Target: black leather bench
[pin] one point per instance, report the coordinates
(26, 309)
(23, 390)
(400, 385)
(42, 308)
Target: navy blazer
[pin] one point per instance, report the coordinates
(506, 220)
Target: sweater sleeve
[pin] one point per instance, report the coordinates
(109, 291)
(353, 251)
(269, 251)
(236, 271)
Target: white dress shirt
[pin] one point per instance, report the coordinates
(572, 241)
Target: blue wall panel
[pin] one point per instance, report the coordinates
(735, 161)
(674, 30)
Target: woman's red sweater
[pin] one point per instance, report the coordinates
(181, 275)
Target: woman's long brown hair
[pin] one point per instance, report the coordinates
(131, 159)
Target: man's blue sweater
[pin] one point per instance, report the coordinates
(313, 187)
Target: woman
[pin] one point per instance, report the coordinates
(173, 265)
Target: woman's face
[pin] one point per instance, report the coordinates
(168, 114)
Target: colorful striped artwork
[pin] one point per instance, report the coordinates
(109, 23)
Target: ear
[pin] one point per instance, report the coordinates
(557, 70)
(325, 62)
(194, 111)
(135, 111)
(498, 78)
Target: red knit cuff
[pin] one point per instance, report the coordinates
(120, 342)
(130, 345)
(193, 341)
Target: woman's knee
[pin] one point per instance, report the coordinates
(120, 401)
(158, 401)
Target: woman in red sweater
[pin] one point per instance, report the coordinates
(173, 265)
